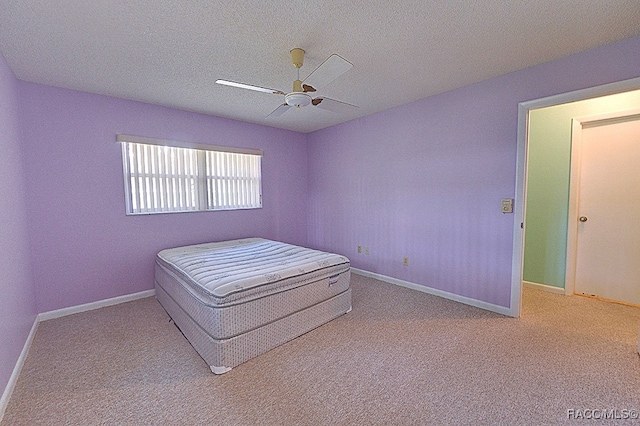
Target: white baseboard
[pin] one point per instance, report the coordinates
(8, 390)
(544, 287)
(94, 305)
(451, 296)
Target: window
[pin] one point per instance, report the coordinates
(167, 176)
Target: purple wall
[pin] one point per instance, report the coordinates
(425, 180)
(83, 246)
(17, 296)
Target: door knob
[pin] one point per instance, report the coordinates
(582, 219)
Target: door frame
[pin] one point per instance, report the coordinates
(522, 149)
(574, 189)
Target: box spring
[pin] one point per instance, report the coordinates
(268, 293)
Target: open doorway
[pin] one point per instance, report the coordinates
(542, 182)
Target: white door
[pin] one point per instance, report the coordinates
(608, 241)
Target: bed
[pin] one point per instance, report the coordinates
(235, 300)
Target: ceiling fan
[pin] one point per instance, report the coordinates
(333, 67)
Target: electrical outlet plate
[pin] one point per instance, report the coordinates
(359, 249)
(405, 261)
(507, 205)
(366, 250)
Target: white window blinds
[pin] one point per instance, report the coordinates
(233, 180)
(162, 179)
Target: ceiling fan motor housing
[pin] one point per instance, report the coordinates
(297, 99)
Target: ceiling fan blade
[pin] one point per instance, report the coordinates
(328, 71)
(250, 87)
(306, 88)
(279, 111)
(332, 105)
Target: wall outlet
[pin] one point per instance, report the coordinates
(506, 205)
(366, 250)
(359, 249)
(405, 261)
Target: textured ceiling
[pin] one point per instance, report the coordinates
(170, 52)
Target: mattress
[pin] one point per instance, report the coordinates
(234, 300)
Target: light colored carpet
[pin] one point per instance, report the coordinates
(400, 357)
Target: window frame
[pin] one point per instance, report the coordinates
(201, 178)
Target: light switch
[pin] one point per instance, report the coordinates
(507, 205)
